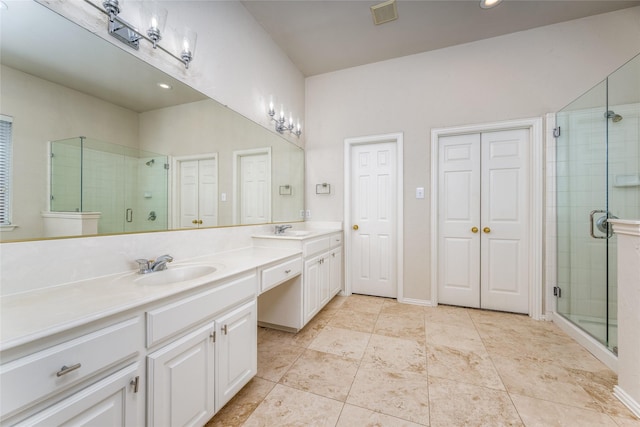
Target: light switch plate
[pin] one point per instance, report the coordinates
(420, 193)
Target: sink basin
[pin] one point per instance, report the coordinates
(175, 275)
(296, 233)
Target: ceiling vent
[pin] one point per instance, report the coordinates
(384, 12)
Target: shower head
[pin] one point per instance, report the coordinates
(615, 118)
(150, 162)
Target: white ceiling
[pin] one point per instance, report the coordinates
(322, 36)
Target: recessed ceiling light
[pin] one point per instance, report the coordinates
(488, 4)
(165, 86)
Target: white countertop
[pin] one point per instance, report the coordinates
(36, 314)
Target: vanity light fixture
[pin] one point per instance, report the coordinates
(488, 4)
(156, 18)
(282, 124)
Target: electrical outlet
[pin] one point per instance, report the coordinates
(308, 214)
(223, 197)
(420, 193)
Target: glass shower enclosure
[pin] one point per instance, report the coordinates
(127, 186)
(597, 178)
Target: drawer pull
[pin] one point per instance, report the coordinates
(66, 369)
(287, 271)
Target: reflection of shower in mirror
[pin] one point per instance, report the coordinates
(615, 118)
(150, 162)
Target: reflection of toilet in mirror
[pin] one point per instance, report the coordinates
(57, 224)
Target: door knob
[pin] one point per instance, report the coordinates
(474, 229)
(199, 221)
(355, 227)
(194, 222)
(486, 230)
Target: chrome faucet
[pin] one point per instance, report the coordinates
(149, 266)
(280, 228)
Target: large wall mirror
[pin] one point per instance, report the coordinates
(99, 147)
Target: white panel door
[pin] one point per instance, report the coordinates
(189, 194)
(459, 219)
(255, 189)
(505, 216)
(373, 192)
(198, 193)
(483, 217)
(208, 192)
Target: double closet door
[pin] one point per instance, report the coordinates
(483, 220)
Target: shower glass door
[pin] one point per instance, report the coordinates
(597, 178)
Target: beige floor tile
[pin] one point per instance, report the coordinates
(355, 320)
(322, 373)
(468, 366)
(458, 404)
(243, 404)
(599, 385)
(400, 327)
(541, 380)
(393, 307)
(355, 416)
(364, 303)
(395, 354)
(399, 394)
(274, 359)
(627, 422)
(341, 342)
(454, 337)
(452, 316)
(542, 413)
(336, 302)
(285, 406)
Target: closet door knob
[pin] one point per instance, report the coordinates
(355, 227)
(474, 229)
(486, 230)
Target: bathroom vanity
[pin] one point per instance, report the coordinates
(167, 348)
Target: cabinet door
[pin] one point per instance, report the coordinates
(237, 348)
(325, 279)
(335, 271)
(311, 287)
(112, 401)
(181, 380)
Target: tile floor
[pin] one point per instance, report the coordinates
(367, 361)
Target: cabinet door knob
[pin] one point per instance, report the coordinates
(474, 229)
(199, 221)
(224, 329)
(135, 384)
(355, 226)
(194, 221)
(486, 230)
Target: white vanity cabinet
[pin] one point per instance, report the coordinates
(292, 305)
(76, 379)
(196, 372)
(322, 276)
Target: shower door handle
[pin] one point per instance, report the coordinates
(592, 223)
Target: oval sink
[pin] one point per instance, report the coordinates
(297, 233)
(175, 275)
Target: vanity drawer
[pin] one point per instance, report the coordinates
(314, 246)
(178, 316)
(40, 374)
(277, 274)
(336, 240)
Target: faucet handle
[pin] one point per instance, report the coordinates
(143, 265)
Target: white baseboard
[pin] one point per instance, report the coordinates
(424, 302)
(627, 400)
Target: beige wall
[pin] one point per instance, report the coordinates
(525, 74)
(43, 111)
